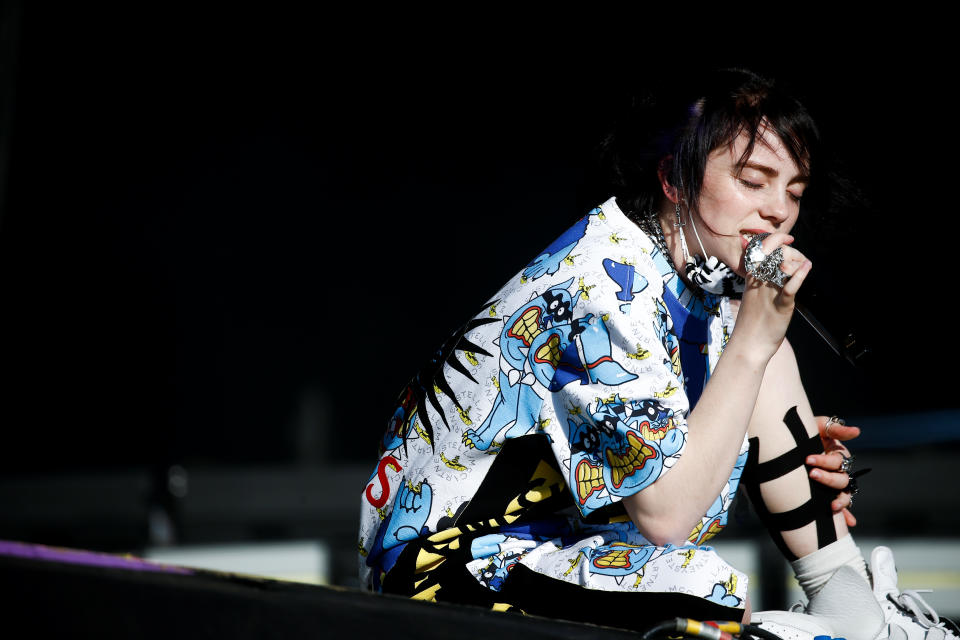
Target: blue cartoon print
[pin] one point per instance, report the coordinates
(626, 277)
(576, 351)
(503, 552)
(620, 450)
(517, 403)
(716, 517)
(663, 326)
(548, 262)
(498, 568)
(619, 558)
(723, 593)
(544, 349)
(409, 515)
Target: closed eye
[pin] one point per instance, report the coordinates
(750, 185)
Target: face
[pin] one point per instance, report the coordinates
(741, 198)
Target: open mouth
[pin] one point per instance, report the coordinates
(527, 326)
(589, 480)
(655, 433)
(746, 237)
(636, 456)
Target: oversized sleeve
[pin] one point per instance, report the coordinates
(616, 409)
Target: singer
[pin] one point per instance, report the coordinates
(570, 451)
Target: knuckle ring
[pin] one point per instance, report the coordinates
(853, 487)
(847, 465)
(761, 266)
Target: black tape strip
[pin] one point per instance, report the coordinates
(787, 461)
(792, 419)
(816, 509)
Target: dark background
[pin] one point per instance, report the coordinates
(228, 238)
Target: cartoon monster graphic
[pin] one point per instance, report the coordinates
(410, 512)
(580, 351)
(619, 558)
(518, 401)
(542, 349)
(407, 521)
(548, 262)
(626, 276)
(663, 325)
(621, 449)
(498, 569)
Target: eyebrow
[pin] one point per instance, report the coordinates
(770, 171)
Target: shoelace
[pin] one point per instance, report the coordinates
(910, 602)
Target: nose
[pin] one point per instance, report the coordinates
(777, 208)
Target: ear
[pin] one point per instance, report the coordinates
(663, 171)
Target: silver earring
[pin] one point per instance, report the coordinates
(679, 223)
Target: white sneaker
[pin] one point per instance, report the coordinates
(845, 608)
(906, 615)
(791, 625)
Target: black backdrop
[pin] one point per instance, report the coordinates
(231, 237)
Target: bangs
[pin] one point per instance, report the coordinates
(752, 106)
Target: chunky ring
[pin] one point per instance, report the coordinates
(850, 504)
(847, 465)
(762, 266)
(853, 487)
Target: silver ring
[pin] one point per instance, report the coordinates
(853, 487)
(847, 465)
(850, 504)
(832, 420)
(761, 266)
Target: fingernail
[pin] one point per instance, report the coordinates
(815, 474)
(811, 460)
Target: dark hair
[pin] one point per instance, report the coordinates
(683, 127)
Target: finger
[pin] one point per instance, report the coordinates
(830, 461)
(791, 255)
(843, 432)
(841, 502)
(796, 279)
(833, 479)
(850, 518)
(774, 240)
(830, 428)
(821, 460)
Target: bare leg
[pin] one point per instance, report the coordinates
(783, 432)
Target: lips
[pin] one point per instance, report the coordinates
(746, 235)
